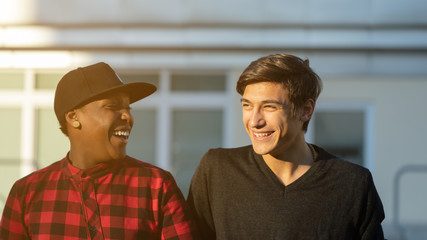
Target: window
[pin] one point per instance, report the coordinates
(173, 128)
(45, 81)
(11, 131)
(51, 143)
(10, 143)
(193, 133)
(341, 133)
(11, 80)
(344, 129)
(143, 139)
(176, 125)
(198, 83)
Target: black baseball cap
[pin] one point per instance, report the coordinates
(85, 84)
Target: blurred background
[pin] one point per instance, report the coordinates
(371, 55)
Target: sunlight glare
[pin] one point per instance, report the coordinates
(16, 11)
(42, 59)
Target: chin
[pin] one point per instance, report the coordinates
(261, 150)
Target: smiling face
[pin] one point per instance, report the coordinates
(266, 112)
(105, 127)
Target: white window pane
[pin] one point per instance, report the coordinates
(51, 145)
(10, 138)
(142, 141)
(198, 83)
(10, 129)
(194, 132)
(11, 80)
(341, 133)
(148, 78)
(9, 173)
(47, 80)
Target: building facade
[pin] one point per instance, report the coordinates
(371, 55)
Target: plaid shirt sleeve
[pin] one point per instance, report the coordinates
(176, 223)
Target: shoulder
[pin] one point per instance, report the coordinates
(225, 163)
(226, 156)
(347, 180)
(38, 179)
(219, 154)
(42, 174)
(338, 167)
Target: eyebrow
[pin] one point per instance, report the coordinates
(117, 101)
(264, 102)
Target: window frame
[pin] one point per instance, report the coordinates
(30, 99)
(368, 109)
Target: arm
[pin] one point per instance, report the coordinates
(199, 201)
(12, 222)
(177, 222)
(373, 215)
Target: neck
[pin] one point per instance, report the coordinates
(80, 161)
(84, 158)
(292, 164)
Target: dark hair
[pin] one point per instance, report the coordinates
(292, 72)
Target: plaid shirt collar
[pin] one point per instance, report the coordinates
(91, 173)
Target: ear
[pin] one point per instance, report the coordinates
(71, 116)
(307, 110)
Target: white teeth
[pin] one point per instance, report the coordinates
(122, 133)
(261, 134)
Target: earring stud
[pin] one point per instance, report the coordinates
(76, 124)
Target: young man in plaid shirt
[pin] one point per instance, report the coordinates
(97, 191)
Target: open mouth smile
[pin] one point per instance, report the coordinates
(262, 134)
(122, 134)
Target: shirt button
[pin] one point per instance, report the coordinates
(84, 175)
(86, 196)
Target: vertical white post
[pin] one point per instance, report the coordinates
(228, 112)
(369, 137)
(163, 145)
(28, 125)
(309, 135)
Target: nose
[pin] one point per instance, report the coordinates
(126, 115)
(256, 119)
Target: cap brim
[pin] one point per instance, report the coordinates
(136, 92)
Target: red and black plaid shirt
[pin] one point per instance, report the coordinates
(129, 199)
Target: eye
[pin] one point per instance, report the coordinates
(270, 107)
(112, 106)
(246, 106)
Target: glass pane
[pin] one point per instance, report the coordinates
(194, 132)
(10, 137)
(148, 78)
(51, 145)
(11, 80)
(195, 83)
(47, 80)
(9, 173)
(341, 133)
(142, 141)
(10, 146)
